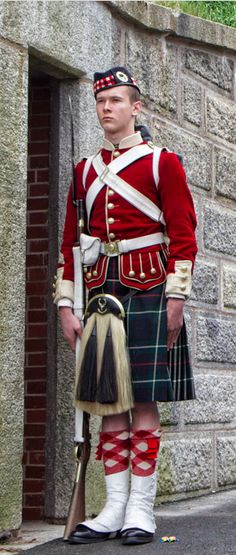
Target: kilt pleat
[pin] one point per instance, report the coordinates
(156, 374)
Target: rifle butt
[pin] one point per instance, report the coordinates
(76, 512)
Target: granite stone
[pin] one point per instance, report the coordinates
(57, 33)
(226, 459)
(229, 285)
(196, 152)
(158, 80)
(225, 171)
(192, 102)
(216, 339)
(219, 229)
(13, 185)
(169, 413)
(215, 400)
(184, 465)
(220, 118)
(205, 282)
(215, 69)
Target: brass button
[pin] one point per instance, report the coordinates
(131, 273)
(54, 286)
(85, 269)
(142, 275)
(116, 153)
(110, 192)
(110, 205)
(183, 287)
(111, 220)
(95, 273)
(89, 275)
(183, 269)
(153, 270)
(112, 236)
(184, 278)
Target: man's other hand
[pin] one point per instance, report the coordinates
(71, 326)
(175, 309)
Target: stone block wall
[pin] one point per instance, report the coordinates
(186, 69)
(13, 164)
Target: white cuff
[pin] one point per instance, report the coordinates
(63, 288)
(176, 296)
(65, 302)
(179, 282)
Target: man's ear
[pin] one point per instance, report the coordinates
(137, 106)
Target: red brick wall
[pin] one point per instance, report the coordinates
(36, 300)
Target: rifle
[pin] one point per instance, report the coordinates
(76, 511)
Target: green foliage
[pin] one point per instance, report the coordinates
(220, 12)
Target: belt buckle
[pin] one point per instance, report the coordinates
(111, 248)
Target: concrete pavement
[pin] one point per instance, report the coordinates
(204, 526)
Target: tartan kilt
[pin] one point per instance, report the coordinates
(156, 374)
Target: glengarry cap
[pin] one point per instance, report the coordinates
(113, 77)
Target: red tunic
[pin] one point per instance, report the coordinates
(114, 218)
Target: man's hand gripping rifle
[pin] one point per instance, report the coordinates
(76, 512)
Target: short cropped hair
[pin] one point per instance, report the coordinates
(134, 94)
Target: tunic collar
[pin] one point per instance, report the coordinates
(127, 142)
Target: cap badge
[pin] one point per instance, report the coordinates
(122, 76)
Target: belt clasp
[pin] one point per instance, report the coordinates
(111, 248)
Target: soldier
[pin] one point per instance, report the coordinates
(141, 195)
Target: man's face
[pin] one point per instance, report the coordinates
(116, 111)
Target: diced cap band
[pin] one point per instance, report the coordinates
(113, 77)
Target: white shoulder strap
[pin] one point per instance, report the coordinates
(155, 163)
(120, 163)
(126, 159)
(108, 177)
(116, 165)
(86, 169)
(129, 157)
(133, 196)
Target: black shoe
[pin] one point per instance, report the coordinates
(83, 534)
(135, 536)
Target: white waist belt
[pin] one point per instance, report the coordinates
(114, 248)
